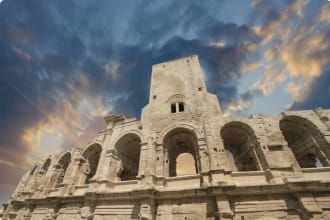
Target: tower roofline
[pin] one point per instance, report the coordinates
(173, 61)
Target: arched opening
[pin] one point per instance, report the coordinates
(33, 170)
(92, 157)
(128, 150)
(180, 141)
(46, 165)
(185, 164)
(306, 141)
(240, 145)
(61, 168)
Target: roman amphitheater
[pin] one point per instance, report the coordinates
(261, 167)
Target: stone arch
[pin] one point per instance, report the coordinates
(178, 141)
(131, 131)
(91, 156)
(241, 143)
(306, 141)
(46, 165)
(188, 127)
(128, 149)
(61, 167)
(33, 170)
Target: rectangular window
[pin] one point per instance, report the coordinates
(181, 107)
(173, 108)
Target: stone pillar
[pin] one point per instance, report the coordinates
(211, 146)
(223, 206)
(114, 165)
(102, 166)
(204, 159)
(144, 159)
(73, 176)
(159, 160)
(104, 163)
(52, 179)
(166, 162)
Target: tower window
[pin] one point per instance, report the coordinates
(181, 107)
(173, 108)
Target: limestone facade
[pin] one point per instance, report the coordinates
(261, 167)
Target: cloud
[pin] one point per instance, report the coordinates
(294, 47)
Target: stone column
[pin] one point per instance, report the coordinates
(52, 180)
(104, 163)
(143, 161)
(166, 162)
(102, 166)
(74, 173)
(159, 160)
(114, 165)
(204, 160)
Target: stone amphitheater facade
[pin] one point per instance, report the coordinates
(261, 167)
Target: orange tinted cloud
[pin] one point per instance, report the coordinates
(294, 51)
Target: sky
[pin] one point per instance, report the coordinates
(66, 64)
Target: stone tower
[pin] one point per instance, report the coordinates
(261, 167)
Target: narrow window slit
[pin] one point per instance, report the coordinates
(181, 107)
(173, 108)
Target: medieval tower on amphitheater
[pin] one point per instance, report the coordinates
(261, 167)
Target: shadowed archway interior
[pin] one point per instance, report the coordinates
(240, 143)
(92, 157)
(306, 142)
(128, 150)
(177, 142)
(46, 165)
(61, 168)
